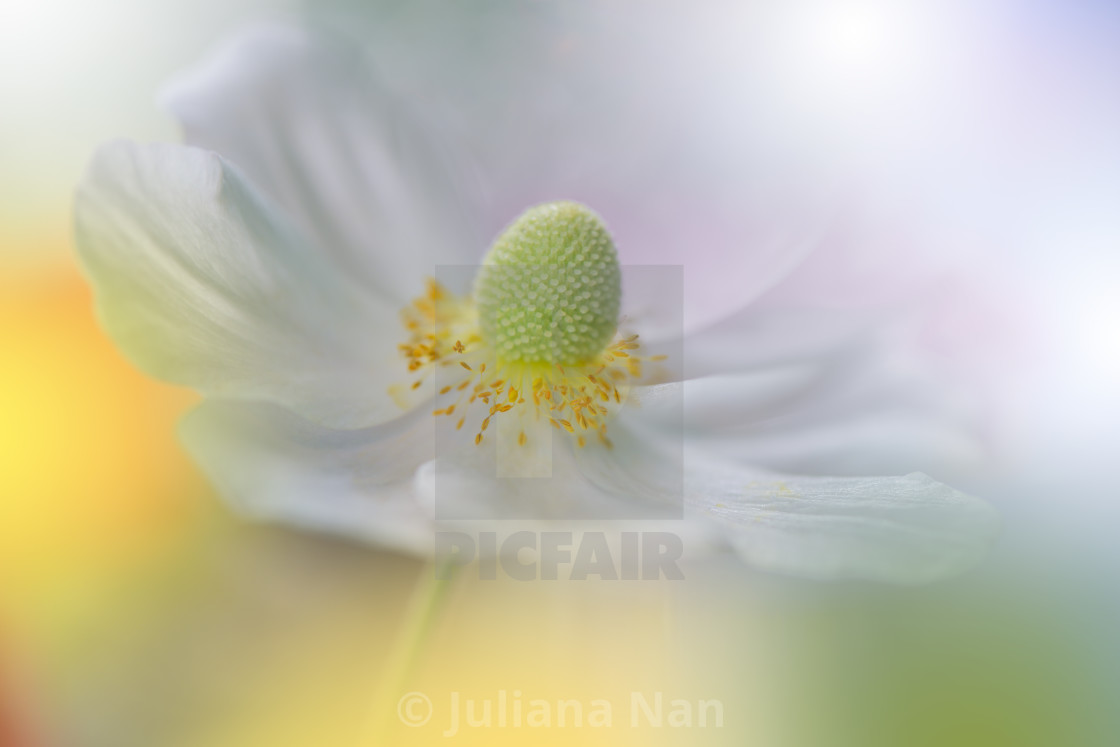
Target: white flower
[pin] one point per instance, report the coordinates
(268, 262)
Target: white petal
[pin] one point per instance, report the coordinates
(857, 416)
(716, 403)
(908, 529)
(897, 529)
(760, 338)
(201, 282)
(272, 464)
(865, 410)
(361, 172)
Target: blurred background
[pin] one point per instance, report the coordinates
(135, 609)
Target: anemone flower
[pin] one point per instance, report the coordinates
(313, 261)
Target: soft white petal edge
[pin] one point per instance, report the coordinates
(202, 282)
(904, 530)
(908, 529)
(271, 464)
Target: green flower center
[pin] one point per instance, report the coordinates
(550, 287)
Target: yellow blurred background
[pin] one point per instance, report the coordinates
(87, 443)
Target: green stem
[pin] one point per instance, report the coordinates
(423, 610)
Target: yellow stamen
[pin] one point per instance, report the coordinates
(441, 325)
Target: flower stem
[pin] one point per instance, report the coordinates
(431, 591)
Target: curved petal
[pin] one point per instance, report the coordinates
(272, 464)
(358, 169)
(897, 529)
(833, 300)
(908, 529)
(868, 409)
(203, 283)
